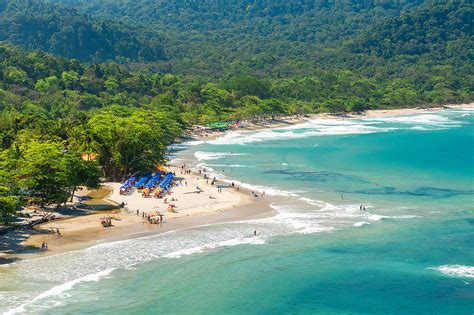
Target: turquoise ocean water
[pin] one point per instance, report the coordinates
(410, 252)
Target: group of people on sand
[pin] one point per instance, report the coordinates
(153, 219)
(186, 172)
(255, 195)
(106, 221)
(44, 246)
(55, 231)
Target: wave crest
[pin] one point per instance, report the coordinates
(456, 270)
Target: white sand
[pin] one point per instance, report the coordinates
(188, 201)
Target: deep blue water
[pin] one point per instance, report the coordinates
(411, 252)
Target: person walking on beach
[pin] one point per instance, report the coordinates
(255, 233)
(138, 212)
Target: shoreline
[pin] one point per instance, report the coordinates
(292, 120)
(84, 231)
(79, 232)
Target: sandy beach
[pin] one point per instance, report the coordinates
(192, 208)
(196, 202)
(280, 122)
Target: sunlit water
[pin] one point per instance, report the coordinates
(411, 251)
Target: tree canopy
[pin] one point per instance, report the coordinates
(64, 31)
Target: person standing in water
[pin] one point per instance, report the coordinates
(255, 233)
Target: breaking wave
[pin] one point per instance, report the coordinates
(207, 247)
(328, 127)
(52, 296)
(204, 156)
(456, 270)
(302, 132)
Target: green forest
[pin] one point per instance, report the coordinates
(124, 79)
(66, 32)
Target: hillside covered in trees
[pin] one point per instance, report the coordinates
(66, 32)
(285, 38)
(277, 38)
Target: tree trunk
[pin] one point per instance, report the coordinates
(45, 217)
(72, 193)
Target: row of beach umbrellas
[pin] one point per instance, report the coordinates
(153, 180)
(166, 181)
(142, 180)
(128, 184)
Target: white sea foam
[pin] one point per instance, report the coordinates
(361, 223)
(207, 247)
(422, 122)
(184, 145)
(421, 128)
(204, 156)
(315, 229)
(415, 119)
(194, 142)
(312, 202)
(59, 291)
(226, 165)
(456, 270)
(377, 217)
(405, 216)
(64, 271)
(270, 191)
(326, 127)
(320, 127)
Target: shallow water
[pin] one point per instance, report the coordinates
(411, 251)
